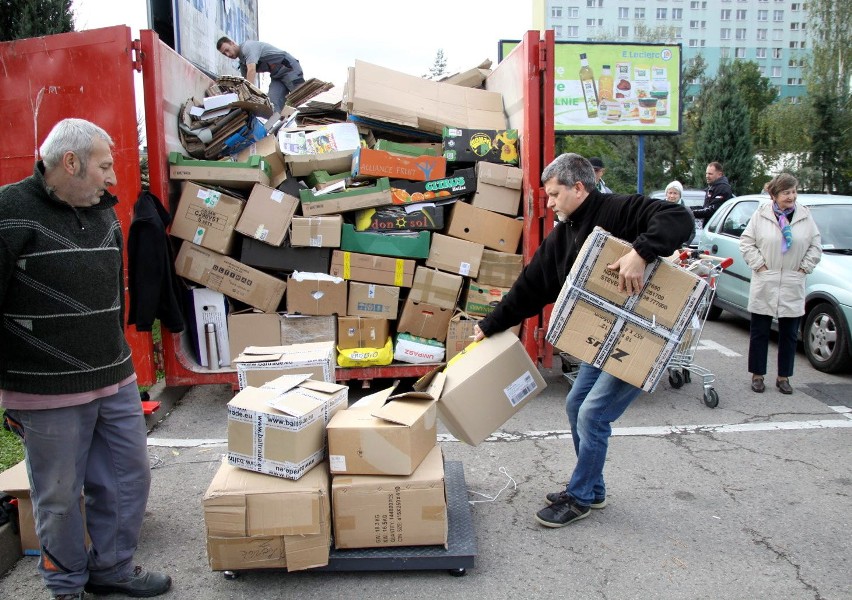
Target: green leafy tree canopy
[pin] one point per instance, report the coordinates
(33, 18)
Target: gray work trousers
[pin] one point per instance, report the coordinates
(99, 449)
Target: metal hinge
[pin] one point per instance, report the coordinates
(136, 47)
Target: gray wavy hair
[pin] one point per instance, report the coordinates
(568, 169)
(71, 135)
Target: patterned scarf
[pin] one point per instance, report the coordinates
(784, 224)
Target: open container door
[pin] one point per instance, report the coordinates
(88, 75)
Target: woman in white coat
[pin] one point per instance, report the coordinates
(781, 244)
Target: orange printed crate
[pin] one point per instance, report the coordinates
(378, 163)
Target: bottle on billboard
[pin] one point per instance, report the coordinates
(590, 92)
(605, 83)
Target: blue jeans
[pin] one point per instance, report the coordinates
(100, 449)
(594, 402)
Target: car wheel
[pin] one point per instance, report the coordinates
(826, 340)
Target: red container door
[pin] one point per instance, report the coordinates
(88, 75)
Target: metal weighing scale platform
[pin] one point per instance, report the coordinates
(456, 558)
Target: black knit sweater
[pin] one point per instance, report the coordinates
(61, 292)
(655, 228)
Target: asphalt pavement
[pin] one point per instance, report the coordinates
(747, 500)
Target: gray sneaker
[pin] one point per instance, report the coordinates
(140, 584)
(562, 512)
(552, 497)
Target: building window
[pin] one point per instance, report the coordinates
(590, 22)
(763, 15)
(795, 7)
(573, 12)
(693, 24)
(761, 52)
(777, 15)
(556, 12)
(703, 42)
(677, 14)
(776, 52)
(623, 31)
(594, 3)
(761, 35)
(777, 34)
(741, 33)
(661, 14)
(762, 70)
(573, 31)
(623, 12)
(794, 27)
(726, 14)
(739, 52)
(678, 32)
(776, 71)
(725, 52)
(639, 13)
(725, 33)
(741, 15)
(557, 32)
(693, 43)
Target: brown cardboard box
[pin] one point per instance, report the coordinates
(436, 287)
(490, 229)
(268, 149)
(631, 337)
(224, 173)
(362, 332)
(372, 300)
(267, 215)
(302, 165)
(481, 300)
(424, 320)
(498, 188)
(487, 384)
(307, 329)
(258, 365)
(316, 232)
(255, 521)
(206, 217)
(232, 278)
(373, 269)
(373, 511)
(250, 328)
(386, 434)
(499, 268)
(460, 333)
(280, 430)
(454, 255)
(316, 294)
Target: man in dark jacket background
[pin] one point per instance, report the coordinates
(718, 190)
(596, 399)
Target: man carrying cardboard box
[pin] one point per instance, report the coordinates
(596, 399)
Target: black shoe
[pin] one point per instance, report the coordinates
(757, 385)
(784, 386)
(562, 512)
(77, 596)
(141, 584)
(556, 496)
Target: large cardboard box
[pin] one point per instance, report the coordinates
(454, 255)
(226, 173)
(267, 148)
(316, 232)
(373, 511)
(490, 229)
(375, 92)
(424, 320)
(284, 257)
(258, 365)
(499, 268)
(481, 300)
(486, 385)
(255, 521)
(250, 328)
(498, 188)
(207, 217)
(436, 287)
(368, 163)
(206, 306)
(372, 300)
(386, 434)
(230, 277)
(402, 244)
(460, 333)
(267, 214)
(368, 268)
(629, 336)
(362, 332)
(316, 294)
(279, 429)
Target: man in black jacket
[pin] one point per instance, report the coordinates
(718, 190)
(596, 399)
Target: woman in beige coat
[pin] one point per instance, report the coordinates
(781, 244)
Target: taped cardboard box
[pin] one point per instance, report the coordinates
(499, 268)
(481, 300)
(372, 269)
(386, 433)
(232, 278)
(401, 244)
(486, 385)
(376, 511)
(316, 232)
(279, 429)
(207, 217)
(258, 365)
(267, 215)
(490, 229)
(498, 188)
(367, 163)
(454, 255)
(255, 521)
(362, 332)
(267, 149)
(632, 337)
(307, 329)
(424, 320)
(385, 95)
(372, 300)
(436, 287)
(417, 350)
(316, 294)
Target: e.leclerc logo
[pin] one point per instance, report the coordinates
(666, 54)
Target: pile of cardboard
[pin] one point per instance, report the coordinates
(388, 234)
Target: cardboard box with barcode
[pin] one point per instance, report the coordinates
(267, 215)
(355, 266)
(232, 278)
(418, 350)
(436, 287)
(316, 232)
(486, 385)
(386, 433)
(454, 255)
(316, 294)
(206, 306)
(373, 300)
(424, 320)
(331, 201)
(207, 217)
(631, 337)
(255, 521)
(226, 173)
(267, 149)
(279, 429)
(499, 268)
(498, 188)
(362, 332)
(490, 229)
(481, 300)
(367, 163)
(392, 510)
(258, 365)
(404, 244)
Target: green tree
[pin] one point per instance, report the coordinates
(32, 18)
(756, 91)
(439, 67)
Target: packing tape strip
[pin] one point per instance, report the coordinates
(399, 272)
(347, 265)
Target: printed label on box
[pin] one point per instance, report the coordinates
(316, 241)
(337, 462)
(464, 269)
(519, 389)
(199, 236)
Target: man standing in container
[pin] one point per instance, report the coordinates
(66, 376)
(718, 191)
(597, 398)
(284, 70)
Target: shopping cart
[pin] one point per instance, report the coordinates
(682, 365)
